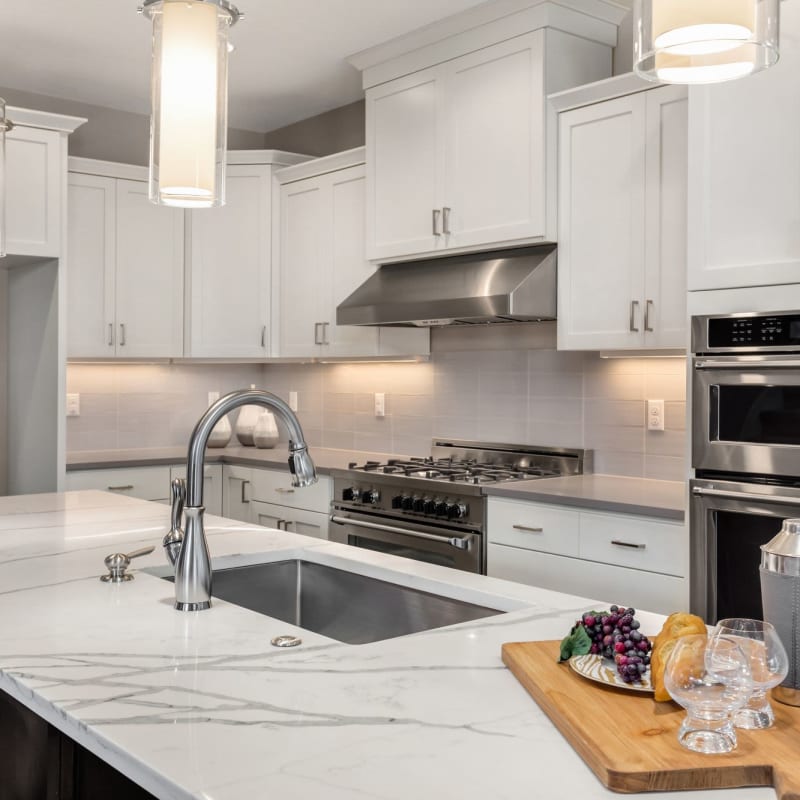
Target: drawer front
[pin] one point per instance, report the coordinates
(533, 526)
(273, 486)
(307, 523)
(212, 486)
(602, 583)
(146, 483)
(638, 543)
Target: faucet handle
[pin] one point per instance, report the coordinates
(117, 563)
(173, 541)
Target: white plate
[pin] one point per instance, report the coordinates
(604, 670)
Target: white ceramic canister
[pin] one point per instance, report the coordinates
(246, 422)
(266, 433)
(221, 434)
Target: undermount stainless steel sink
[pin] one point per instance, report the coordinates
(341, 605)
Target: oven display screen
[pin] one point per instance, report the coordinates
(777, 331)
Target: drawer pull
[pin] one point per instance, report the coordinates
(527, 529)
(245, 493)
(281, 490)
(629, 545)
(120, 488)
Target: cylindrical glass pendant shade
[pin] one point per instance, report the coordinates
(189, 120)
(704, 41)
(5, 126)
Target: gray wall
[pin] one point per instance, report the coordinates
(110, 134)
(331, 132)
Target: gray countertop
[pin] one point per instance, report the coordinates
(665, 499)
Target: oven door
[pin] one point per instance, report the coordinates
(746, 414)
(459, 549)
(729, 523)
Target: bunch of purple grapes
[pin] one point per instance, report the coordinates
(615, 634)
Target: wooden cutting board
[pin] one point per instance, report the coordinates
(630, 741)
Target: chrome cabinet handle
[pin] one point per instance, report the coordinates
(527, 529)
(446, 220)
(245, 498)
(325, 333)
(436, 217)
(629, 545)
(317, 335)
(126, 488)
(122, 334)
(648, 305)
(634, 306)
(110, 334)
(264, 336)
(281, 490)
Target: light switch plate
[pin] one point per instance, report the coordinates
(293, 401)
(73, 404)
(655, 415)
(380, 404)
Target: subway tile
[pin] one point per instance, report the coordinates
(338, 421)
(615, 437)
(411, 405)
(665, 443)
(555, 384)
(629, 413)
(666, 387)
(615, 385)
(610, 462)
(555, 434)
(338, 440)
(562, 410)
(675, 416)
(454, 404)
(419, 427)
(665, 468)
(412, 446)
(338, 401)
(456, 427)
(369, 423)
(375, 442)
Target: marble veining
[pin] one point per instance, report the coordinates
(200, 706)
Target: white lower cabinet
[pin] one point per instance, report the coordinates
(212, 486)
(144, 483)
(307, 523)
(236, 489)
(618, 558)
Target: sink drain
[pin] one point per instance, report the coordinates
(286, 641)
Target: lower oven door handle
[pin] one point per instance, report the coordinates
(699, 491)
(748, 365)
(454, 541)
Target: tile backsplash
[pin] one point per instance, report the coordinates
(535, 396)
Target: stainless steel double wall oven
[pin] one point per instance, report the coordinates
(745, 452)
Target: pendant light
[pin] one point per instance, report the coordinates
(189, 94)
(5, 126)
(704, 41)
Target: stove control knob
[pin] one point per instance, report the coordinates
(370, 496)
(458, 511)
(419, 505)
(430, 506)
(407, 502)
(441, 509)
(397, 501)
(351, 494)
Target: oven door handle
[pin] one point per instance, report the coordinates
(747, 365)
(460, 543)
(699, 491)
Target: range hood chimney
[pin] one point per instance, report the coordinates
(502, 286)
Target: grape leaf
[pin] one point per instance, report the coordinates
(577, 643)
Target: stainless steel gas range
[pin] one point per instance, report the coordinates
(433, 508)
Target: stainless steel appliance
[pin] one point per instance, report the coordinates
(745, 452)
(433, 508)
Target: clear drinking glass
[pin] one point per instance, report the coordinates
(769, 665)
(711, 679)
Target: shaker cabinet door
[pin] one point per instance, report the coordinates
(149, 285)
(601, 241)
(228, 270)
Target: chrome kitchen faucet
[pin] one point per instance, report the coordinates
(193, 566)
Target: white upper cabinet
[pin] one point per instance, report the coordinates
(322, 261)
(228, 269)
(622, 223)
(460, 141)
(125, 267)
(745, 172)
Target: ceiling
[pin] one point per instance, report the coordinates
(289, 62)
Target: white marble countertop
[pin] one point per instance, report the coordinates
(201, 706)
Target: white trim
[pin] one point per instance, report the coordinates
(483, 26)
(599, 91)
(29, 118)
(275, 158)
(108, 169)
(322, 166)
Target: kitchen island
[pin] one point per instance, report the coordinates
(202, 706)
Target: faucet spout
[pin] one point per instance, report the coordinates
(193, 572)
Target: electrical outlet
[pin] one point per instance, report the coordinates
(213, 397)
(293, 401)
(73, 405)
(655, 415)
(380, 404)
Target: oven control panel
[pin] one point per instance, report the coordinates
(754, 330)
(405, 502)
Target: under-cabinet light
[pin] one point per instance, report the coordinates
(189, 95)
(704, 41)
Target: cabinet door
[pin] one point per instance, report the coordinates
(229, 269)
(236, 485)
(405, 169)
(146, 483)
(303, 280)
(91, 242)
(667, 170)
(33, 192)
(494, 152)
(348, 267)
(149, 286)
(269, 515)
(744, 174)
(212, 486)
(601, 225)
(307, 523)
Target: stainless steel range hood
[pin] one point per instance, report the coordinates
(503, 286)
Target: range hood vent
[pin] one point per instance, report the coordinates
(502, 286)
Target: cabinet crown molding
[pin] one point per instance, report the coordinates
(321, 166)
(29, 118)
(482, 26)
(600, 91)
